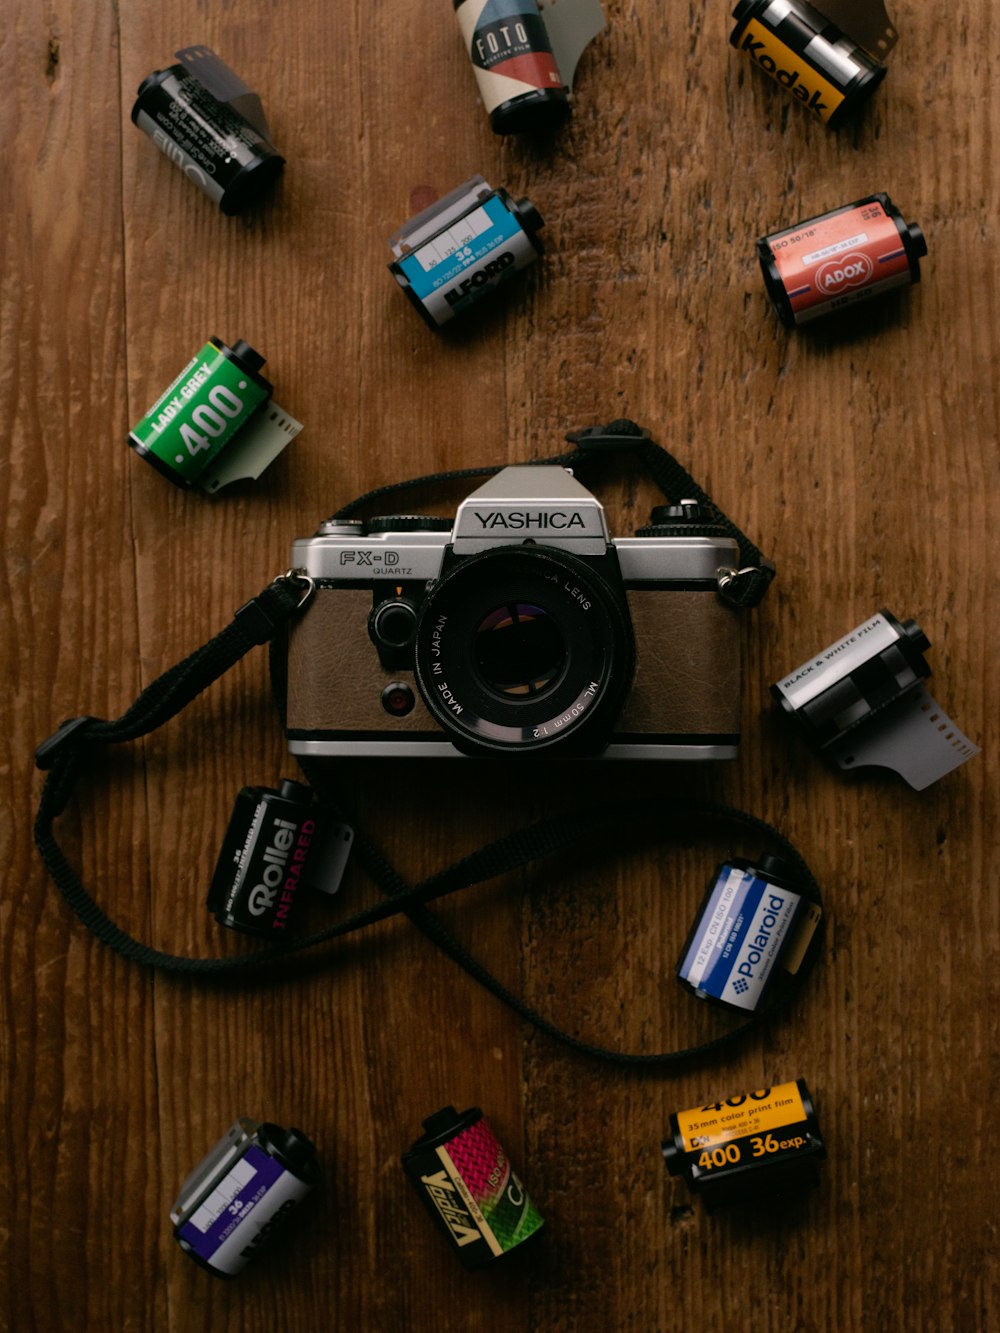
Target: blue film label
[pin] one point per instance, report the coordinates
(470, 257)
(743, 929)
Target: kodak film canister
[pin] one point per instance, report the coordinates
(465, 1180)
(797, 46)
(234, 1200)
(755, 924)
(210, 141)
(514, 64)
(839, 258)
(749, 1148)
(261, 868)
(462, 248)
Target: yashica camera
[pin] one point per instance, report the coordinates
(522, 629)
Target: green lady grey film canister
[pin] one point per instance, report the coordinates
(196, 417)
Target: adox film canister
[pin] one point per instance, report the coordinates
(842, 257)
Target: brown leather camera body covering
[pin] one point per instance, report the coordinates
(686, 684)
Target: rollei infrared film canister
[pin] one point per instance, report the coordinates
(754, 924)
(462, 248)
(209, 123)
(261, 866)
(848, 255)
(748, 1148)
(830, 73)
(209, 426)
(245, 1188)
(465, 1180)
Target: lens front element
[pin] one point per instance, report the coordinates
(520, 650)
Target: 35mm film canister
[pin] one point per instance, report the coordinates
(209, 426)
(245, 1188)
(839, 258)
(465, 1180)
(797, 46)
(514, 64)
(755, 923)
(261, 865)
(462, 248)
(749, 1148)
(216, 146)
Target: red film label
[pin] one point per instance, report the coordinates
(837, 260)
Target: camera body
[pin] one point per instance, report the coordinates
(521, 629)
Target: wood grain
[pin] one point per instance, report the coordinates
(862, 457)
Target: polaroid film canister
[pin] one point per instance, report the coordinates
(797, 46)
(749, 1148)
(842, 257)
(754, 925)
(466, 1183)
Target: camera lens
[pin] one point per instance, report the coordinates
(526, 648)
(519, 650)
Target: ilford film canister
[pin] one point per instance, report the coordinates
(515, 67)
(245, 1188)
(754, 924)
(798, 47)
(232, 160)
(210, 426)
(465, 1180)
(272, 852)
(749, 1148)
(462, 248)
(832, 261)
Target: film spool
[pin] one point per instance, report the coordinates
(460, 250)
(466, 1183)
(823, 68)
(241, 1192)
(210, 141)
(837, 259)
(749, 1148)
(754, 925)
(515, 66)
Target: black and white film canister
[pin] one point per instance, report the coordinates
(829, 72)
(749, 1149)
(211, 126)
(862, 703)
(458, 251)
(754, 925)
(465, 1181)
(234, 1200)
(850, 254)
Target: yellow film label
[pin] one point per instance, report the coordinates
(791, 70)
(740, 1116)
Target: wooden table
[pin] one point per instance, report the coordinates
(861, 457)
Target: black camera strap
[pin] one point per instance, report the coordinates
(76, 746)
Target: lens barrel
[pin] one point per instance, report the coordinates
(526, 648)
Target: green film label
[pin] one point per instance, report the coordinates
(193, 420)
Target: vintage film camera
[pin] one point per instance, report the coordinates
(524, 629)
